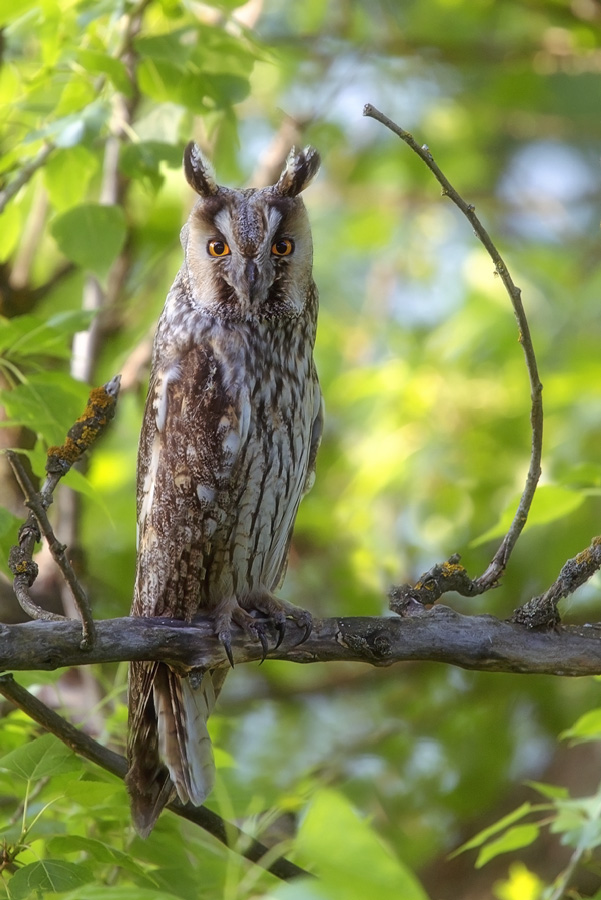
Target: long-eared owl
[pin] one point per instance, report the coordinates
(231, 428)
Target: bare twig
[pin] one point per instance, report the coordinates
(25, 174)
(97, 414)
(440, 634)
(541, 612)
(499, 562)
(82, 744)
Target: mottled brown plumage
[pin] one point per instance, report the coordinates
(231, 429)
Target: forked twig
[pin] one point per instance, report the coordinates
(499, 562)
(85, 746)
(99, 410)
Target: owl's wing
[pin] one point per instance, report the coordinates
(194, 426)
(316, 432)
(193, 429)
(314, 442)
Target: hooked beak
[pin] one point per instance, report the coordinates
(251, 274)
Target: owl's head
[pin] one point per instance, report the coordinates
(249, 252)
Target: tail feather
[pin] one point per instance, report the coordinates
(169, 747)
(184, 743)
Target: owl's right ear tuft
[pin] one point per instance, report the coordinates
(197, 172)
(301, 167)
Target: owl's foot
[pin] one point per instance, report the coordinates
(278, 612)
(272, 610)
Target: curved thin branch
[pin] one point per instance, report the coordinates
(99, 410)
(499, 562)
(437, 635)
(85, 746)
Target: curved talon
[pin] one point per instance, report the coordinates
(226, 640)
(280, 627)
(308, 626)
(264, 644)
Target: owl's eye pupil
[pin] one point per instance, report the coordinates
(283, 247)
(218, 248)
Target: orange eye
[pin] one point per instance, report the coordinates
(218, 248)
(283, 247)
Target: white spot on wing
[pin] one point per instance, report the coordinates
(150, 482)
(161, 395)
(205, 494)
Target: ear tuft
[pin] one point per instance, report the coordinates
(301, 167)
(197, 171)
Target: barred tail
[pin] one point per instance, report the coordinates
(169, 748)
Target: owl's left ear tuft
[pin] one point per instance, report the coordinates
(197, 172)
(301, 168)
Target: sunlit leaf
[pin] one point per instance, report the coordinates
(116, 892)
(9, 526)
(40, 758)
(30, 336)
(92, 235)
(48, 875)
(103, 63)
(586, 728)
(483, 836)
(98, 850)
(550, 791)
(12, 218)
(514, 839)
(11, 11)
(67, 174)
(550, 503)
(48, 403)
(338, 841)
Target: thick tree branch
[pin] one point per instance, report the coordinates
(499, 562)
(437, 635)
(85, 746)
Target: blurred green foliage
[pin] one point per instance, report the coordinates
(427, 438)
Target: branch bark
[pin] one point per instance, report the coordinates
(440, 634)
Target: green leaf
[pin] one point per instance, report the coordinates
(142, 160)
(13, 9)
(116, 892)
(44, 756)
(67, 175)
(9, 526)
(48, 404)
(91, 235)
(168, 47)
(338, 843)
(304, 889)
(586, 728)
(48, 875)
(165, 82)
(27, 336)
(103, 853)
(486, 833)
(10, 231)
(226, 89)
(550, 791)
(514, 839)
(550, 503)
(103, 64)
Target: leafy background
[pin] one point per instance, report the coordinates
(380, 774)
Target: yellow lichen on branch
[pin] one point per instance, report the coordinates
(99, 410)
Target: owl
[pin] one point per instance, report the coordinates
(231, 429)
